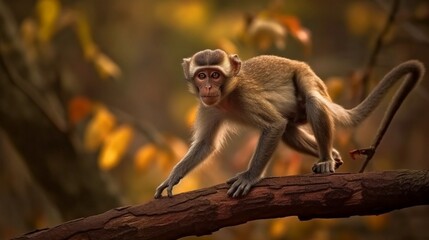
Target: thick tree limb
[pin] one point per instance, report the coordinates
(207, 210)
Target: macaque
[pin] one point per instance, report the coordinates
(277, 96)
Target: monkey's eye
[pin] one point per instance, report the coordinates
(215, 75)
(201, 75)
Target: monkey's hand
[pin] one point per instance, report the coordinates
(241, 184)
(325, 166)
(169, 184)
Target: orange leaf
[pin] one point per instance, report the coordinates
(295, 28)
(144, 156)
(278, 227)
(78, 108)
(115, 146)
(191, 115)
(165, 161)
(98, 128)
(294, 164)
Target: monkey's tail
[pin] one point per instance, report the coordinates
(412, 69)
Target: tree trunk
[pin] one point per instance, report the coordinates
(207, 210)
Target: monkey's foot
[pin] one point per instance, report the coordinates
(241, 184)
(325, 166)
(337, 157)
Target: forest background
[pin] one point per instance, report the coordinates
(94, 108)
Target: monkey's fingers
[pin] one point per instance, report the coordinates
(159, 190)
(232, 180)
(241, 185)
(234, 191)
(240, 189)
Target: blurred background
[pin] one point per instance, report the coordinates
(95, 112)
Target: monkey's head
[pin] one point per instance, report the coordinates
(211, 74)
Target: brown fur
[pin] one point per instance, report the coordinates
(275, 95)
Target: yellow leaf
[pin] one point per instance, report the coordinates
(98, 128)
(164, 158)
(106, 67)
(47, 14)
(83, 31)
(114, 147)
(186, 15)
(144, 156)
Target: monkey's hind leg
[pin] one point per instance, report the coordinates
(323, 127)
(304, 142)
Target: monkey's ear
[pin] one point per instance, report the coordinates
(235, 64)
(186, 64)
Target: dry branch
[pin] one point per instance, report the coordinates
(207, 210)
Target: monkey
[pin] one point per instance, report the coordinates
(277, 96)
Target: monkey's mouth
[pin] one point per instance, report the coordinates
(210, 99)
(210, 96)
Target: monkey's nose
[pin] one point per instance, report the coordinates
(208, 87)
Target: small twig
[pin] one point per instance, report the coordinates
(377, 48)
(33, 95)
(417, 34)
(409, 83)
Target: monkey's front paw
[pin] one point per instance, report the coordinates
(241, 184)
(325, 166)
(169, 184)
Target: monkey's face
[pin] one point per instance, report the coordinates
(209, 83)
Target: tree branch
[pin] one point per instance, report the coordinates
(207, 210)
(377, 48)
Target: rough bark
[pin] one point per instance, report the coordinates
(207, 210)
